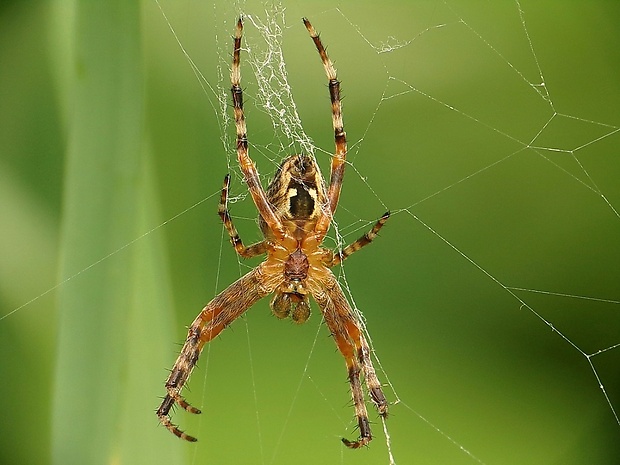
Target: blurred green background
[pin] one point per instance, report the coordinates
(112, 153)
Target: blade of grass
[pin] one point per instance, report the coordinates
(106, 384)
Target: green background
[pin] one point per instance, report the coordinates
(111, 161)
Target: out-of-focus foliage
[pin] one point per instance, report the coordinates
(107, 138)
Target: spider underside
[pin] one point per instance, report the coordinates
(295, 213)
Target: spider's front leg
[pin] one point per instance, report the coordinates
(340, 138)
(250, 173)
(219, 313)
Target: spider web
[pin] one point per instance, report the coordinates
(491, 297)
(505, 135)
(508, 204)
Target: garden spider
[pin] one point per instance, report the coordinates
(294, 215)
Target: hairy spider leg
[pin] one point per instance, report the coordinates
(217, 315)
(253, 250)
(339, 158)
(248, 167)
(345, 328)
(339, 256)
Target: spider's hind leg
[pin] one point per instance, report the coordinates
(179, 375)
(349, 338)
(162, 414)
(225, 308)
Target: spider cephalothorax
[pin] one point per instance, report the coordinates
(294, 215)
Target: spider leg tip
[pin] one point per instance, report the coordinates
(355, 444)
(309, 26)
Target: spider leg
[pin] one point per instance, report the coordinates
(339, 256)
(219, 313)
(339, 158)
(347, 332)
(222, 210)
(248, 167)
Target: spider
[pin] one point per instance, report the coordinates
(295, 213)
